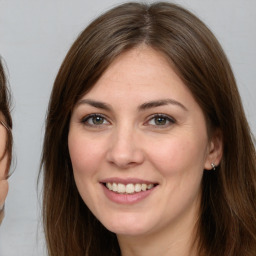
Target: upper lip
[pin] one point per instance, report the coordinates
(126, 181)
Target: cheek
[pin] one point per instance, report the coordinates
(180, 163)
(85, 154)
(178, 155)
(85, 157)
(3, 191)
(3, 162)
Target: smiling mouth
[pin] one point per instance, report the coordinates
(130, 188)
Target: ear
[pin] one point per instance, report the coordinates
(215, 150)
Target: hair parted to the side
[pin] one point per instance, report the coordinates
(6, 120)
(226, 224)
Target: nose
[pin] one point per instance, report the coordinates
(125, 150)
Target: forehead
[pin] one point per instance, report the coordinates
(139, 73)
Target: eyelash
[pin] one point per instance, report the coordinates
(168, 120)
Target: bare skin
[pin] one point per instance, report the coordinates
(3, 172)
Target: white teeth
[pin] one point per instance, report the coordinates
(137, 188)
(121, 188)
(144, 187)
(114, 187)
(129, 188)
(109, 186)
(149, 186)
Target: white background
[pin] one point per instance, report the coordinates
(34, 38)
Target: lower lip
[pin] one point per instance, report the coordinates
(126, 198)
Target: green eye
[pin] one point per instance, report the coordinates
(95, 120)
(161, 120)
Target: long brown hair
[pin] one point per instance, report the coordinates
(6, 120)
(227, 221)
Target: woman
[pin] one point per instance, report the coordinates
(5, 140)
(147, 150)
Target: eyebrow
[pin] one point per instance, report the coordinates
(96, 104)
(159, 103)
(144, 106)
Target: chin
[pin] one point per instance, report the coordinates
(128, 231)
(127, 226)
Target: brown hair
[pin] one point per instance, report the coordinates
(6, 119)
(227, 221)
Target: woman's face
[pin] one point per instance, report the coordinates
(3, 164)
(138, 144)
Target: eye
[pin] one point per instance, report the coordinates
(95, 120)
(160, 120)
